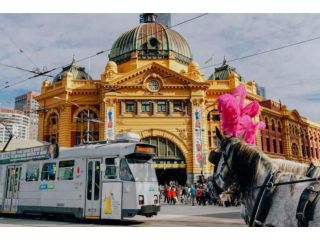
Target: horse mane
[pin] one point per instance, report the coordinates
(285, 165)
(249, 159)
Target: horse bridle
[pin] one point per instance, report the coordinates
(225, 163)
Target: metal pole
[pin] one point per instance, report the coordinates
(88, 125)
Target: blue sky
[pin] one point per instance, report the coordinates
(290, 74)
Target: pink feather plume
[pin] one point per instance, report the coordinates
(236, 117)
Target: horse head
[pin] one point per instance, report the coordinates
(222, 158)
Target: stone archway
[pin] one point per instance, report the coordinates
(171, 156)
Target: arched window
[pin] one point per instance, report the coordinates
(52, 128)
(294, 149)
(83, 134)
(279, 127)
(301, 133)
(273, 126)
(53, 119)
(267, 123)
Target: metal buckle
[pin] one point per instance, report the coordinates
(269, 185)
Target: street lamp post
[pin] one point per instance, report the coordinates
(86, 112)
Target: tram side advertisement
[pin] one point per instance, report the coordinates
(111, 200)
(33, 153)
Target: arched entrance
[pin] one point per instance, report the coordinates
(169, 161)
(83, 134)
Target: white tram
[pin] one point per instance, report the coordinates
(95, 181)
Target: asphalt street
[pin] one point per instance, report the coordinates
(169, 216)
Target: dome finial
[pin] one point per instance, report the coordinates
(224, 62)
(149, 17)
(73, 59)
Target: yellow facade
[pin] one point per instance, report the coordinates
(163, 99)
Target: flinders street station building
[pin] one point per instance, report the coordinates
(152, 86)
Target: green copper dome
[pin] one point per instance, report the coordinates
(78, 73)
(150, 40)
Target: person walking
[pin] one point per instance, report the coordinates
(192, 194)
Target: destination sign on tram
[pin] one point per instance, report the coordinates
(27, 154)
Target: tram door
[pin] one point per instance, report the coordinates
(12, 188)
(93, 188)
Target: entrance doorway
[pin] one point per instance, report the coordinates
(169, 161)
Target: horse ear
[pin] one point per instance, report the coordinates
(220, 137)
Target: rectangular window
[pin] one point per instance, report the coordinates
(268, 144)
(130, 106)
(311, 150)
(32, 173)
(303, 151)
(216, 117)
(162, 106)
(178, 106)
(171, 149)
(145, 106)
(281, 147)
(275, 146)
(66, 170)
(162, 147)
(49, 172)
(111, 170)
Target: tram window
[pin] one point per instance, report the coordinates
(110, 161)
(66, 169)
(125, 172)
(111, 170)
(49, 172)
(89, 183)
(32, 173)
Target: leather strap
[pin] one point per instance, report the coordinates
(263, 202)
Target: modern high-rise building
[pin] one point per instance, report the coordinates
(15, 122)
(29, 106)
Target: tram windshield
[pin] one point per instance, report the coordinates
(140, 170)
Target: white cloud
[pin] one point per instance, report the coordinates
(289, 74)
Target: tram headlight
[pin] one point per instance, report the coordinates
(155, 199)
(141, 199)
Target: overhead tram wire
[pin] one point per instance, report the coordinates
(88, 57)
(148, 35)
(22, 69)
(18, 48)
(24, 80)
(264, 52)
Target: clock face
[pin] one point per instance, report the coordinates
(154, 85)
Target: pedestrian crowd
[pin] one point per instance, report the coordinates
(200, 193)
